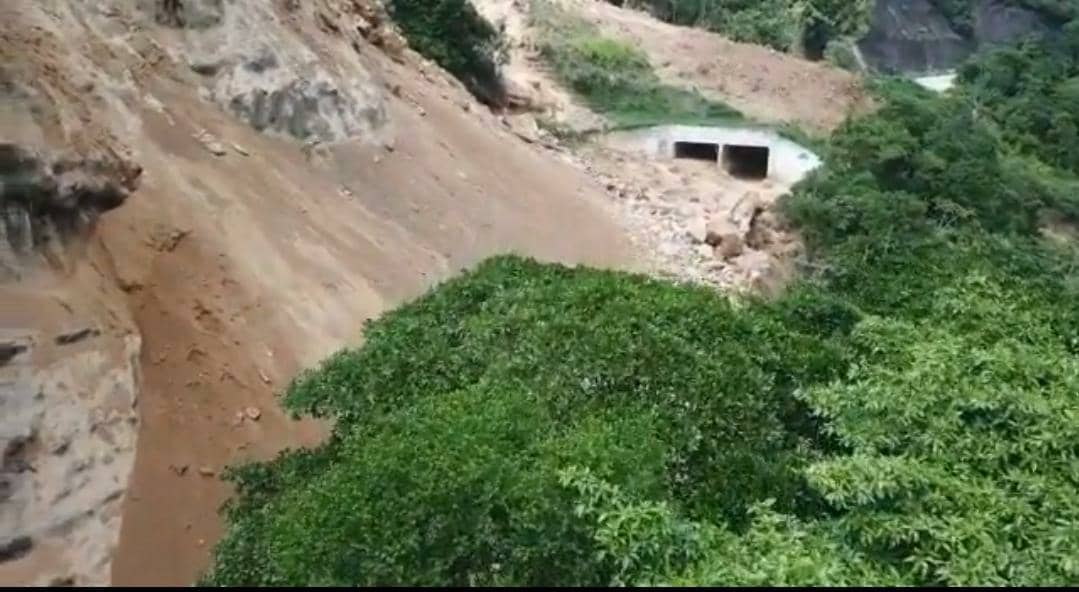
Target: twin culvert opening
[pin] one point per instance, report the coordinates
(742, 161)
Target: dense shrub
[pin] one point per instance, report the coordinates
(456, 419)
(615, 78)
(459, 39)
(1032, 93)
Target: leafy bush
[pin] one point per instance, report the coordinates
(456, 37)
(841, 54)
(1032, 93)
(454, 422)
(615, 78)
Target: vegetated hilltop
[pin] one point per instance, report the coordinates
(907, 414)
(200, 198)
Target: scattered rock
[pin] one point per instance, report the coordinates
(210, 143)
(9, 350)
(15, 548)
(61, 448)
(697, 230)
(207, 472)
(725, 237)
(180, 471)
(746, 210)
(76, 336)
(240, 150)
(253, 413)
(762, 233)
(762, 271)
(165, 239)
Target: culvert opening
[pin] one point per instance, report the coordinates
(746, 162)
(697, 151)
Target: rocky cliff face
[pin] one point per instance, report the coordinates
(48, 202)
(914, 36)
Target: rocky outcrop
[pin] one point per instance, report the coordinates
(914, 36)
(47, 201)
(270, 79)
(67, 434)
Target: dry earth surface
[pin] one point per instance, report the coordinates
(762, 83)
(286, 171)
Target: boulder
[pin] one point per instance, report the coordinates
(722, 234)
(697, 230)
(746, 210)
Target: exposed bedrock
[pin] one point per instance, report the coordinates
(914, 36)
(274, 81)
(46, 201)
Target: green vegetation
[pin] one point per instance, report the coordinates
(457, 422)
(906, 414)
(1032, 91)
(456, 37)
(787, 25)
(615, 78)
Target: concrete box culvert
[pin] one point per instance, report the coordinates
(746, 152)
(746, 162)
(697, 151)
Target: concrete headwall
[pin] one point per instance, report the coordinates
(788, 162)
(939, 83)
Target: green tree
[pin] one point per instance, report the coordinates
(456, 37)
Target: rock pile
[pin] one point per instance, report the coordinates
(693, 233)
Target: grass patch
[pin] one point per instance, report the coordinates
(616, 79)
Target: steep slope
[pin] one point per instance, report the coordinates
(295, 181)
(762, 83)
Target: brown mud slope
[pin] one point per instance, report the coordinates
(297, 173)
(764, 84)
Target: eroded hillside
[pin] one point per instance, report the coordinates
(280, 172)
